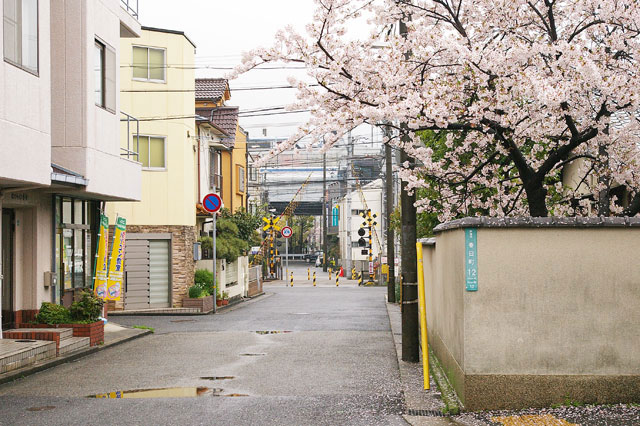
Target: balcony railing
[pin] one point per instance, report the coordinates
(215, 183)
(130, 6)
(131, 152)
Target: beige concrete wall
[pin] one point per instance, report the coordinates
(555, 301)
(25, 115)
(556, 312)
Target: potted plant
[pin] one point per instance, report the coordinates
(83, 317)
(200, 293)
(225, 298)
(218, 298)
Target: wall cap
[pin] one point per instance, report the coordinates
(539, 222)
(427, 241)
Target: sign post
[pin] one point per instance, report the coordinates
(286, 233)
(212, 203)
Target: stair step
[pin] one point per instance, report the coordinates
(73, 344)
(41, 333)
(15, 354)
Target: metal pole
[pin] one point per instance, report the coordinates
(286, 248)
(325, 244)
(391, 281)
(215, 285)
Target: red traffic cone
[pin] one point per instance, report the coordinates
(341, 272)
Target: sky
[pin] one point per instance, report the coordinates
(222, 31)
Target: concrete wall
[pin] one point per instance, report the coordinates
(85, 137)
(25, 115)
(555, 314)
(242, 277)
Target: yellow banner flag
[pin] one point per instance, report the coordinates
(100, 265)
(116, 264)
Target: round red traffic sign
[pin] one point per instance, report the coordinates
(286, 232)
(212, 202)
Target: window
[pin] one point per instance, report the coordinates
(20, 33)
(148, 64)
(241, 180)
(151, 151)
(105, 76)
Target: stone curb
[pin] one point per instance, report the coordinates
(36, 368)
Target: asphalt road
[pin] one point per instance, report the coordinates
(328, 360)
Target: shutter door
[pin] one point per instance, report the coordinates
(136, 266)
(159, 273)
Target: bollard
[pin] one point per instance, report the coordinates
(360, 278)
(308, 274)
(337, 279)
(354, 275)
(314, 278)
(291, 279)
(329, 273)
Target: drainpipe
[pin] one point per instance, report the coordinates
(231, 175)
(1, 265)
(246, 175)
(198, 142)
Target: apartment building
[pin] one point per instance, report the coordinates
(59, 138)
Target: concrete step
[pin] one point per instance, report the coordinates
(73, 344)
(17, 353)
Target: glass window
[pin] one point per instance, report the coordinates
(66, 210)
(152, 152)
(77, 212)
(20, 33)
(78, 258)
(98, 59)
(149, 64)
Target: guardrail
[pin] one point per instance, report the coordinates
(131, 154)
(131, 6)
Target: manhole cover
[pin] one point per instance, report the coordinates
(44, 408)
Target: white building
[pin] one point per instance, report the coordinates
(350, 207)
(59, 139)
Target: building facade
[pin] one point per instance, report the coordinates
(159, 262)
(59, 136)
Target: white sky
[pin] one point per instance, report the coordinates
(222, 30)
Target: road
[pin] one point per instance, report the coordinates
(296, 356)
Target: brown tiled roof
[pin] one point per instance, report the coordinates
(225, 118)
(211, 89)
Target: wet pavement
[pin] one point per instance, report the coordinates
(301, 355)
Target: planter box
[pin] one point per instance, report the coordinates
(95, 331)
(205, 304)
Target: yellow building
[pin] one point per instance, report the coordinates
(161, 228)
(227, 165)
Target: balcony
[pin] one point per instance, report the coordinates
(132, 136)
(131, 6)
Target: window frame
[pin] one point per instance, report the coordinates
(35, 72)
(107, 85)
(148, 79)
(103, 97)
(241, 180)
(153, 169)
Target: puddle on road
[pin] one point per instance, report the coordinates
(189, 392)
(256, 354)
(300, 313)
(273, 332)
(26, 341)
(44, 408)
(184, 320)
(159, 393)
(218, 378)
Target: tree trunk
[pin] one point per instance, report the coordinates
(536, 196)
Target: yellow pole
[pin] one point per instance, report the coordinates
(329, 274)
(337, 278)
(308, 274)
(314, 278)
(291, 279)
(422, 309)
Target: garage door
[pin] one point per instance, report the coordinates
(147, 272)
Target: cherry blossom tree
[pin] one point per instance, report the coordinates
(532, 104)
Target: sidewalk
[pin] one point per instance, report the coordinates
(423, 407)
(114, 334)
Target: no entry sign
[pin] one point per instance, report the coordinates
(212, 202)
(286, 232)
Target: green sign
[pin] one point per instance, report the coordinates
(471, 259)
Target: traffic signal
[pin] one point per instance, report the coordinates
(362, 242)
(361, 232)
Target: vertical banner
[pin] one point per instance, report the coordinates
(116, 263)
(335, 216)
(471, 259)
(100, 267)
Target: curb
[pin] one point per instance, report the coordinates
(32, 369)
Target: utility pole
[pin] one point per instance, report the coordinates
(410, 345)
(325, 244)
(391, 282)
